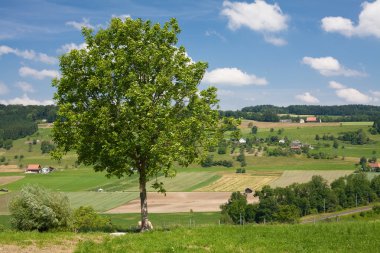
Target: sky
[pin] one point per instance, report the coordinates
(282, 52)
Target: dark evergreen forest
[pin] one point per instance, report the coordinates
(17, 121)
(334, 113)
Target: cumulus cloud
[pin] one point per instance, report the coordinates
(38, 74)
(350, 95)
(258, 16)
(233, 77)
(71, 46)
(336, 85)
(25, 100)
(78, 25)
(275, 40)
(368, 23)
(28, 54)
(25, 87)
(3, 89)
(329, 66)
(307, 98)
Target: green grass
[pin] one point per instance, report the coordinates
(331, 237)
(80, 179)
(100, 201)
(163, 220)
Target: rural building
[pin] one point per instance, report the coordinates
(374, 166)
(285, 120)
(311, 119)
(33, 168)
(242, 141)
(302, 121)
(282, 141)
(296, 145)
(46, 170)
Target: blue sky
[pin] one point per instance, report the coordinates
(259, 52)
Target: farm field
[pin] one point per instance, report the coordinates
(175, 202)
(239, 182)
(290, 177)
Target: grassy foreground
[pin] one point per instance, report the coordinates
(333, 237)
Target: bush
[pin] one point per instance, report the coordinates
(85, 219)
(36, 208)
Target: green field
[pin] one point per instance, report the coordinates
(343, 237)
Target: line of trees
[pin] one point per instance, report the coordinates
(336, 113)
(288, 204)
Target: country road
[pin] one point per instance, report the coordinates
(334, 215)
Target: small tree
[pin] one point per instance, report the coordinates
(131, 100)
(254, 130)
(36, 208)
(86, 219)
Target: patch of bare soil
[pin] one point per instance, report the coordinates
(175, 202)
(10, 168)
(9, 179)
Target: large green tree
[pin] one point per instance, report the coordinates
(130, 101)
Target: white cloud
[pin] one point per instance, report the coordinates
(78, 25)
(307, 98)
(350, 95)
(353, 96)
(121, 16)
(329, 66)
(223, 93)
(233, 77)
(368, 24)
(71, 46)
(28, 54)
(258, 16)
(26, 71)
(376, 94)
(336, 85)
(25, 100)
(3, 89)
(25, 87)
(275, 40)
(216, 34)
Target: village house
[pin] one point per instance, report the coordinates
(242, 141)
(296, 145)
(33, 168)
(311, 119)
(374, 166)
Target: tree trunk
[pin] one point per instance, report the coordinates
(144, 203)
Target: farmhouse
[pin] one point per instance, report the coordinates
(302, 121)
(374, 166)
(311, 119)
(296, 145)
(33, 168)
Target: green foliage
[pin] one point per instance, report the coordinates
(36, 208)
(209, 162)
(355, 138)
(46, 147)
(254, 130)
(376, 125)
(135, 103)
(85, 219)
(235, 207)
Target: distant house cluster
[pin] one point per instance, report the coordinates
(37, 168)
(374, 166)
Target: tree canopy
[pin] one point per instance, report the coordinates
(130, 101)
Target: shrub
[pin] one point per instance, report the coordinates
(36, 208)
(85, 219)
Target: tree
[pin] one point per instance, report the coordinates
(36, 208)
(235, 208)
(131, 100)
(376, 125)
(254, 130)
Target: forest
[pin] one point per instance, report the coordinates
(334, 113)
(17, 121)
